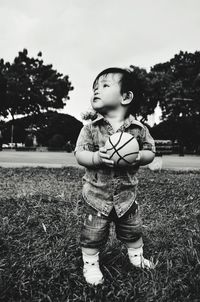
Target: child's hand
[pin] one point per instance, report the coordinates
(136, 163)
(105, 157)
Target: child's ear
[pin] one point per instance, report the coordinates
(127, 98)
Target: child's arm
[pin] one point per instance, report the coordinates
(93, 159)
(147, 154)
(145, 157)
(84, 153)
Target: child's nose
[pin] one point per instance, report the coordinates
(96, 93)
(96, 90)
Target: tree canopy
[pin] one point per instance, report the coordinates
(28, 86)
(144, 101)
(176, 85)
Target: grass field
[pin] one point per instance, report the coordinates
(40, 258)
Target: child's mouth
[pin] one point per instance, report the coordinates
(95, 99)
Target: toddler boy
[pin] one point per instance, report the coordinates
(109, 192)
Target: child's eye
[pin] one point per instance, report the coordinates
(105, 85)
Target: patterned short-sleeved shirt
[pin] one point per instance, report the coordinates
(105, 187)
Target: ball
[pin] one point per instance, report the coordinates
(123, 148)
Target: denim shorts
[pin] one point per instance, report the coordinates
(96, 226)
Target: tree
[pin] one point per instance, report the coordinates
(53, 123)
(3, 88)
(177, 85)
(145, 100)
(46, 126)
(186, 132)
(31, 87)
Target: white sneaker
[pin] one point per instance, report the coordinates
(137, 259)
(91, 270)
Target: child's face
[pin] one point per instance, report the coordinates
(107, 93)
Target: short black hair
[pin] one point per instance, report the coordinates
(129, 82)
(126, 80)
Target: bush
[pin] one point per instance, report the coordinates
(57, 142)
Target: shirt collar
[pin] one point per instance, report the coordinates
(127, 122)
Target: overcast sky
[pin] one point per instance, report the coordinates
(82, 37)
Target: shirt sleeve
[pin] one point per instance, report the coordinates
(85, 141)
(148, 142)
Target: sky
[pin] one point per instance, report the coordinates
(83, 37)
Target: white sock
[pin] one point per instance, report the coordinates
(91, 270)
(137, 259)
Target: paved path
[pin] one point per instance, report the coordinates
(34, 159)
(62, 159)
